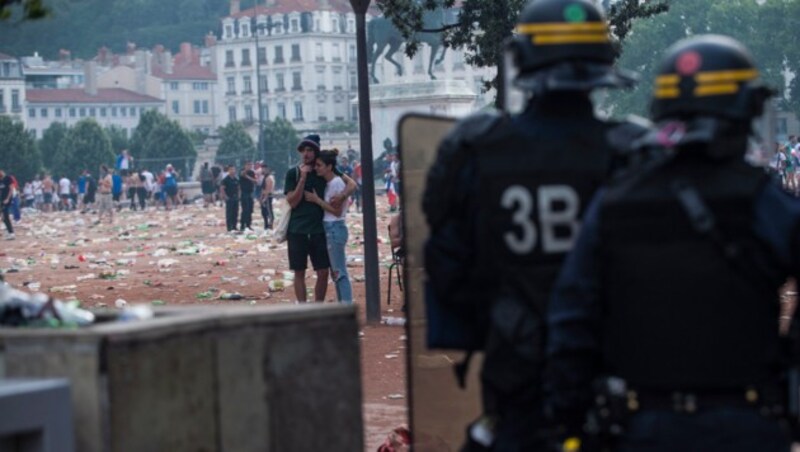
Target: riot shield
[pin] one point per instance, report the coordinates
(439, 410)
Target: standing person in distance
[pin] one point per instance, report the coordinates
(116, 190)
(206, 184)
(6, 195)
(698, 363)
(64, 186)
(267, 189)
(334, 222)
(91, 192)
(504, 201)
(105, 202)
(247, 186)
(306, 234)
(229, 194)
(170, 187)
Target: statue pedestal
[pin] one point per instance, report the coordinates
(389, 102)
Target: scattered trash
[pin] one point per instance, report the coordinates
(393, 321)
(158, 302)
(204, 295)
(135, 313)
(398, 441)
(275, 286)
(231, 296)
(396, 396)
(120, 303)
(167, 263)
(19, 308)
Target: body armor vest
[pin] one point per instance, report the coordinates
(677, 312)
(534, 178)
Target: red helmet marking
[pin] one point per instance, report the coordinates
(689, 63)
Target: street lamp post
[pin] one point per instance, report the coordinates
(371, 274)
(259, 144)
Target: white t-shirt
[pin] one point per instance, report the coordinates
(63, 186)
(334, 187)
(148, 180)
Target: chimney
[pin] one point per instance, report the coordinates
(211, 39)
(167, 63)
(90, 78)
(131, 48)
(186, 52)
(64, 55)
(235, 7)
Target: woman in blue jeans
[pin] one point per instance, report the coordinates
(335, 226)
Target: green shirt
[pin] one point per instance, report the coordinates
(306, 216)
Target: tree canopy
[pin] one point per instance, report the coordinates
(236, 145)
(83, 26)
(51, 140)
(280, 145)
(168, 143)
(25, 9)
(769, 30)
(19, 155)
(86, 146)
(118, 137)
(482, 27)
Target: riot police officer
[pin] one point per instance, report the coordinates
(669, 300)
(504, 201)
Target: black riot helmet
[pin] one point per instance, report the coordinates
(711, 76)
(564, 45)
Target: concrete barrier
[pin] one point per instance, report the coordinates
(281, 378)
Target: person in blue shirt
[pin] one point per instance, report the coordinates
(116, 189)
(668, 305)
(81, 188)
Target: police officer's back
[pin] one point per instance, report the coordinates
(673, 284)
(504, 201)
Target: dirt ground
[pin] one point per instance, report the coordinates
(184, 257)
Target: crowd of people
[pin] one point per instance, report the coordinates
(786, 164)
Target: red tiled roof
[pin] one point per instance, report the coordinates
(192, 72)
(79, 96)
(295, 6)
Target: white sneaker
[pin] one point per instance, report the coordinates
(10, 236)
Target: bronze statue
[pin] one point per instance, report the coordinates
(382, 33)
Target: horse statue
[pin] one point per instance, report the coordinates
(382, 33)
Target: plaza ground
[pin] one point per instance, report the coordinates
(184, 257)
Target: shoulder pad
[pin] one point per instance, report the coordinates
(477, 125)
(452, 154)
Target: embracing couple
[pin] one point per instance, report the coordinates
(317, 193)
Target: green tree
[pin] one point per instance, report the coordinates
(169, 143)
(27, 9)
(280, 145)
(85, 146)
(118, 137)
(19, 155)
(769, 30)
(482, 27)
(236, 144)
(148, 121)
(51, 140)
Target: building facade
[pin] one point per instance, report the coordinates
(189, 89)
(303, 66)
(12, 87)
(108, 106)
